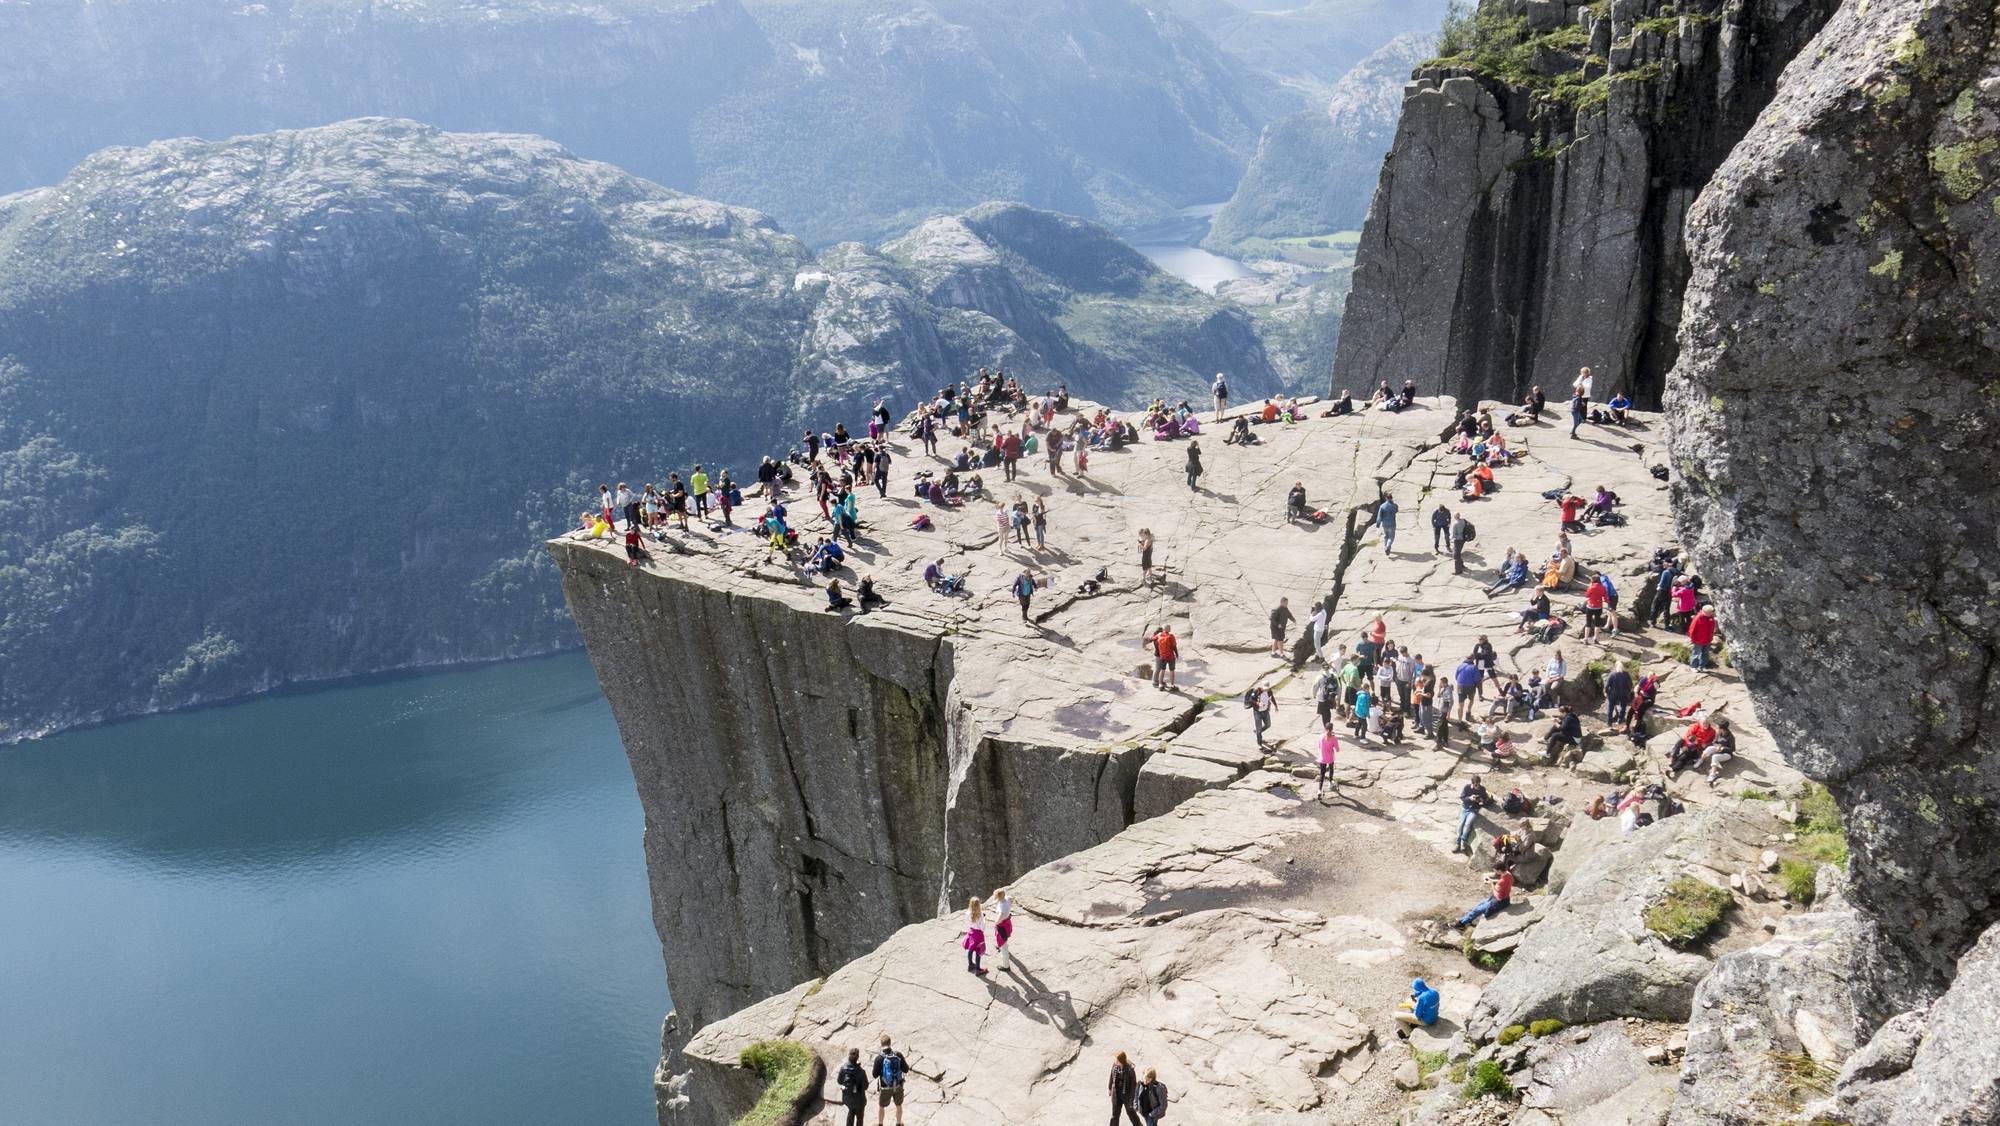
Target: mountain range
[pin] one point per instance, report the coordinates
(303, 404)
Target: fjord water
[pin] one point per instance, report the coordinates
(415, 899)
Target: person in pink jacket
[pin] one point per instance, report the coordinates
(1329, 747)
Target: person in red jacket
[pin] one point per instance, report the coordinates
(1572, 508)
(1166, 650)
(1701, 635)
(1594, 600)
(1689, 747)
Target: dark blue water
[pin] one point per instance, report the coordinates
(414, 900)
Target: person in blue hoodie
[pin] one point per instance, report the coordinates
(1421, 1008)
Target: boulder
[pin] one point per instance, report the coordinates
(1591, 958)
(1764, 1008)
(1167, 780)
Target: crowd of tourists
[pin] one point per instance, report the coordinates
(1371, 688)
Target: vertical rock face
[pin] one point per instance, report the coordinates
(1529, 218)
(1834, 416)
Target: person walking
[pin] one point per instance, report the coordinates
(1385, 518)
(1124, 1085)
(882, 470)
(1152, 1098)
(1329, 749)
(1440, 529)
(1221, 390)
(1461, 534)
(891, 1070)
(853, 1082)
(1471, 799)
(975, 936)
(1263, 703)
(1041, 522)
(1281, 620)
(1024, 589)
(1194, 466)
(1579, 408)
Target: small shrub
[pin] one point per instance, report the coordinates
(784, 1066)
(1800, 880)
(1687, 912)
(1822, 835)
(1752, 793)
(1512, 1034)
(1485, 961)
(1678, 650)
(1540, 1028)
(1488, 1079)
(1428, 1062)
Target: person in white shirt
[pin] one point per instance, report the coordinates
(1557, 669)
(1583, 385)
(1221, 390)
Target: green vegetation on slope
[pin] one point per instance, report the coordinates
(1688, 910)
(785, 1067)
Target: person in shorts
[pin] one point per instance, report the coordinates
(891, 1071)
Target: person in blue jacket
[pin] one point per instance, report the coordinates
(1421, 1008)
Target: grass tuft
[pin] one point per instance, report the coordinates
(784, 1066)
(1429, 1061)
(1687, 912)
(1800, 880)
(1512, 1034)
(1488, 1078)
(1540, 1028)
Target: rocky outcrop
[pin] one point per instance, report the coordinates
(1940, 1064)
(1590, 957)
(1529, 218)
(1772, 1022)
(1833, 418)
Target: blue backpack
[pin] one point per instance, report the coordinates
(892, 1069)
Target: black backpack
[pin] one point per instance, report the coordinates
(1471, 533)
(1250, 698)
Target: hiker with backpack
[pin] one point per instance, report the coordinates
(891, 1071)
(1385, 519)
(1152, 1098)
(1262, 702)
(1221, 390)
(853, 1083)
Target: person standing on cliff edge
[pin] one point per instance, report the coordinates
(1221, 397)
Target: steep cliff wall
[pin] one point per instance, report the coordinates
(1529, 217)
(1834, 418)
(812, 784)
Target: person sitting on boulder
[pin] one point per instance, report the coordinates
(1420, 1009)
(1619, 405)
(1409, 396)
(1513, 575)
(1537, 607)
(1500, 883)
(1342, 405)
(835, 600)
(1564, 733)
(1691, 746)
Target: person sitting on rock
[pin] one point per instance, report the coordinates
(1420, 1009)
(835, 600)
(1513, 574)
(1478, 482)
(1239, 432)
(1409, 396)
(1566, 732)
(1500, 885)
(1721, 750)
(1508, 700)
(1537, 607)
(1572, 512)
(866, 595)
(1619, 406)
(936, 579)
(1341, 406)
(1295, 502)
(1691, 746)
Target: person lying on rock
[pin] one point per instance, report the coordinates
(1420, 1009)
